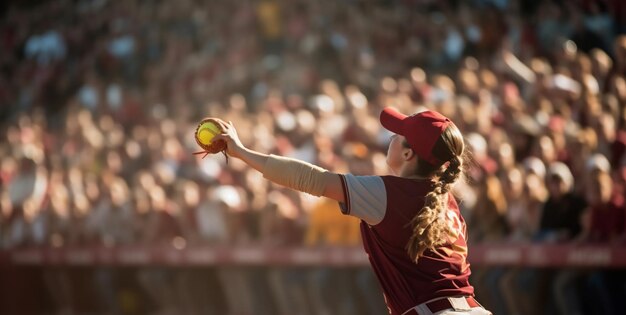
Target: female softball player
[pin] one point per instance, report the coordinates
(411, 226)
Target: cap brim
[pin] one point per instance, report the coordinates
(392, 120)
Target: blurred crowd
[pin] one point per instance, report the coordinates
(99, 101)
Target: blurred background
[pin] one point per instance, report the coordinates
(104, 209)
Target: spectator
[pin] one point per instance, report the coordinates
(162, 228)
(560, 219)
(326, 229)
(605, 215)
(488, 224)
(46, 48)
(526, 197)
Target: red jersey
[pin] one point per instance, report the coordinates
(386, 205)
(607, 222)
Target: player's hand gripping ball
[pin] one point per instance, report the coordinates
(206, 130)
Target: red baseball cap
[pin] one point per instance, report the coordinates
(421, 130)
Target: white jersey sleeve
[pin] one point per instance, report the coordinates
(366, 197)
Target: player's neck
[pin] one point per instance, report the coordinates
(408, 170)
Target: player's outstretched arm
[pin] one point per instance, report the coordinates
(288, 172)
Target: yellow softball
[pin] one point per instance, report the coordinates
(207, 131)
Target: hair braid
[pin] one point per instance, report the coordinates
(430, 225)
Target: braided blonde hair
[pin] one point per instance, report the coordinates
(430, 226)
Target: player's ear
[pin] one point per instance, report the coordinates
(408, 154)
